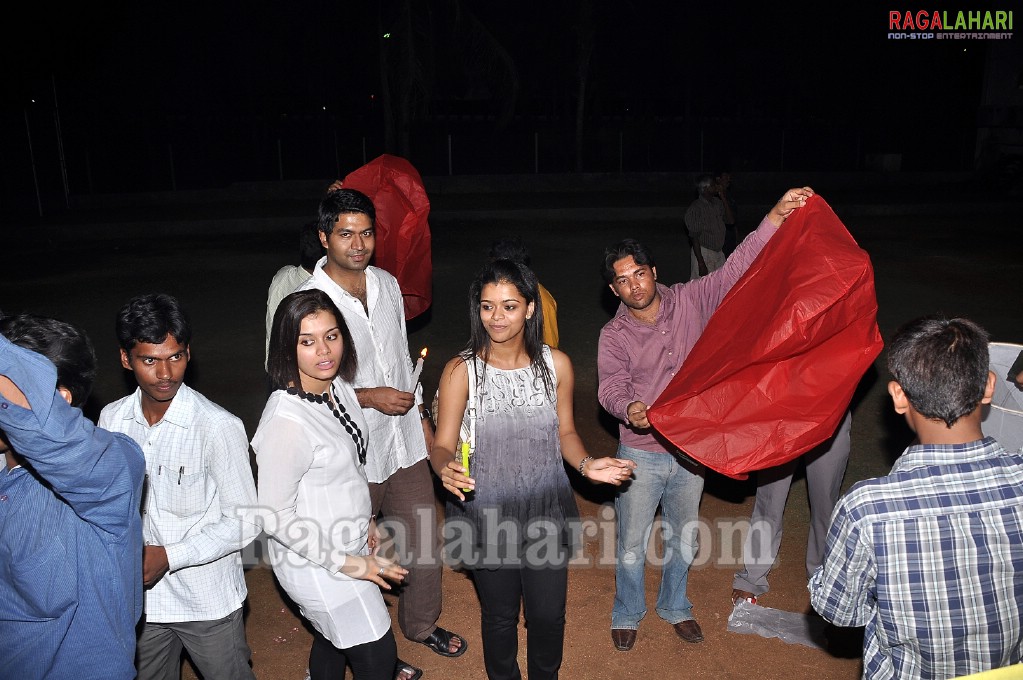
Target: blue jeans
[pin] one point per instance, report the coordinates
(659, 479)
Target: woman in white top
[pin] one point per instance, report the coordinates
(311, 449)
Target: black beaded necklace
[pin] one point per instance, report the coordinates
(340, 413)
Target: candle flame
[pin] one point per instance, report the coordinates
(423, 353)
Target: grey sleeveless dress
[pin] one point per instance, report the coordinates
(522, 494)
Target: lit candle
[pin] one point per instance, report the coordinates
(419, 368)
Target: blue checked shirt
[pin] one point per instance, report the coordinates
(930, 560)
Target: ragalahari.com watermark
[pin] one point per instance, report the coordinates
(925, 24)
(585, 542)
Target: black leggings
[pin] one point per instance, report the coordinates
(370, 660)
(541, 592)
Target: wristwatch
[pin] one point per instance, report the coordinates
(425, 414)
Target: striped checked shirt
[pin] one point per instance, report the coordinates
(930, 560)
(198, 480)
(705, 221)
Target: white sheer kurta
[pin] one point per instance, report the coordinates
(314, 499)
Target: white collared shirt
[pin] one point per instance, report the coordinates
(285, 281)
(381, 342)
(198, 480)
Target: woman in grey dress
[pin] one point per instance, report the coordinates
(510, 517)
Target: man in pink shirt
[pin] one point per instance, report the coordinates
(640, 351)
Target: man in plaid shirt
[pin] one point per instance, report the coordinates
(930, 557)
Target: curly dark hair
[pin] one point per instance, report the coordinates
(150, 318)
(65, 345)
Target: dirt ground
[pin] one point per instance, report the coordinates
(922, 265)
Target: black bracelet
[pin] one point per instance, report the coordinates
(425, 414)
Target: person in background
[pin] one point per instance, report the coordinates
(723, 179)
(706, 219)
(512, 248)
(825, 468)
(1017, 370)
(289, 277)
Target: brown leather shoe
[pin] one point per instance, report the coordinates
(689, 630)
(624, 638)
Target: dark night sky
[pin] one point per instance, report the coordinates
(261, 56)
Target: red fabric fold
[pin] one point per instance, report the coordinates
(774, 371)
(402, 229)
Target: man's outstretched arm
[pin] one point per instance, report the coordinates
(96, 472)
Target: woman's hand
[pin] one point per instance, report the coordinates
(455, 480)
(609, 470)
(373, 568)
(374, 536)
(445, 456)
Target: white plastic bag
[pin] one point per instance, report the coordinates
(793, 628)
(1003, 419)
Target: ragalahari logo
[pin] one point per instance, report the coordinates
(949, 25)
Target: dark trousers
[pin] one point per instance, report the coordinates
(370, 660)
(541, 593)
(217, 648)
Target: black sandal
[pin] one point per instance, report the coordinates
(402, 667)
(440, 642)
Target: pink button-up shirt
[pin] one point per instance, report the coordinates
(636, 361)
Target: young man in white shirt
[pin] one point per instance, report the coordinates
(400, 436)
(198, 478)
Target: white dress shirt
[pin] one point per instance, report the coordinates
(285, 281)
(198, 482)
(381, 342)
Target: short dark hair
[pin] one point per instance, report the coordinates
(621, 250)
(509, 248)
(942, 366)
(343, 202)
(310, 250)
(151, 318)
(63, 344)
(282, 362)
